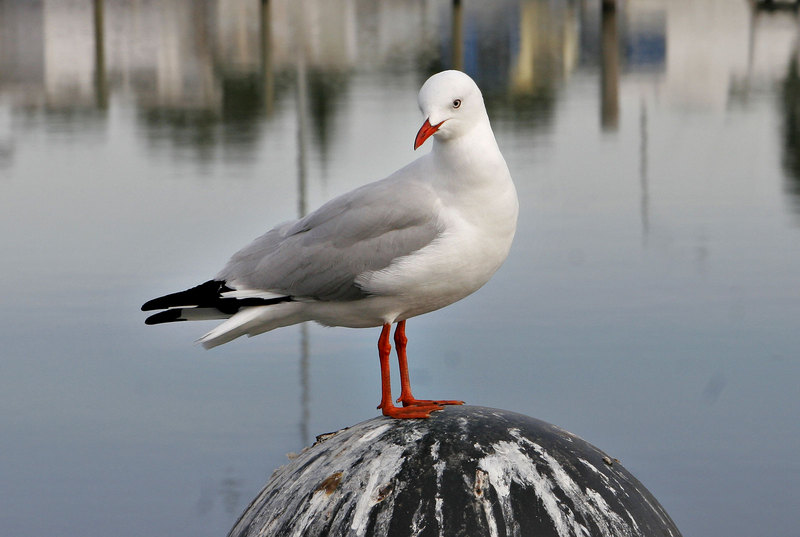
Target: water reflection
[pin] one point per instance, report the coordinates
(790, 100)
(100, 79)
(547, 50)
(773, 49)
(609, 68)
(207, 73)
(789, 94)
(219, 94)
(228, 492)
(457, 39)
(267, 76)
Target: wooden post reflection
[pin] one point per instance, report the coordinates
(267, 77)
(302, 209)
(301, 98)
(458, 36)
(100, 79)
(302, 121)
(609, 68)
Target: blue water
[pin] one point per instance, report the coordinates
(650, 303)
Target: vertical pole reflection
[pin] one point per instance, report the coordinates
(304, 385)
(302, 121)
(267, 78)
(458, 36)
(644, 181)
(100, 79)
(609, 68)
(609, 4)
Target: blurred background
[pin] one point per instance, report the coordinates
(650, 303)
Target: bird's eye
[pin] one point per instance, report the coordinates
(456, 103)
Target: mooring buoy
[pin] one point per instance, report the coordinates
(465, 471)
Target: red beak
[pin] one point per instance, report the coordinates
(425, 132)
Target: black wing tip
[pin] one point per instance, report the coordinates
(206, 291)
(205, 295)
(169, 316)
(151, 305)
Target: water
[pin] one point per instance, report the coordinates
(649, 304)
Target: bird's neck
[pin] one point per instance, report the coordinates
(474, 154)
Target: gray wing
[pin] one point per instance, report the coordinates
(321, 255)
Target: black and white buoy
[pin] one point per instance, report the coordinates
(466, 471)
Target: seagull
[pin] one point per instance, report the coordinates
(426, 236)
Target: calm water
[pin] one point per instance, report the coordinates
(650, 303)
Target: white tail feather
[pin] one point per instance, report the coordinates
(252, 321)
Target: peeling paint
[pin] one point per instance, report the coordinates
(479, 487)
(418, 524)
(330, 483)
(380, 471)
(510, 464)
(375, 433)
(439, 466)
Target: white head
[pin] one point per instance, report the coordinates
(452, 105)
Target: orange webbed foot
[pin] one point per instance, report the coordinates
(410, 412)
(412, 402)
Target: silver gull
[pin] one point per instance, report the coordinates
(428, 235)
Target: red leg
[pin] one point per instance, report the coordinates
(388, 408)
(406, 397)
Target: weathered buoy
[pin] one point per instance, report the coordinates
(466, 471)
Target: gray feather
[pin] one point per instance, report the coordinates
(320, 256)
